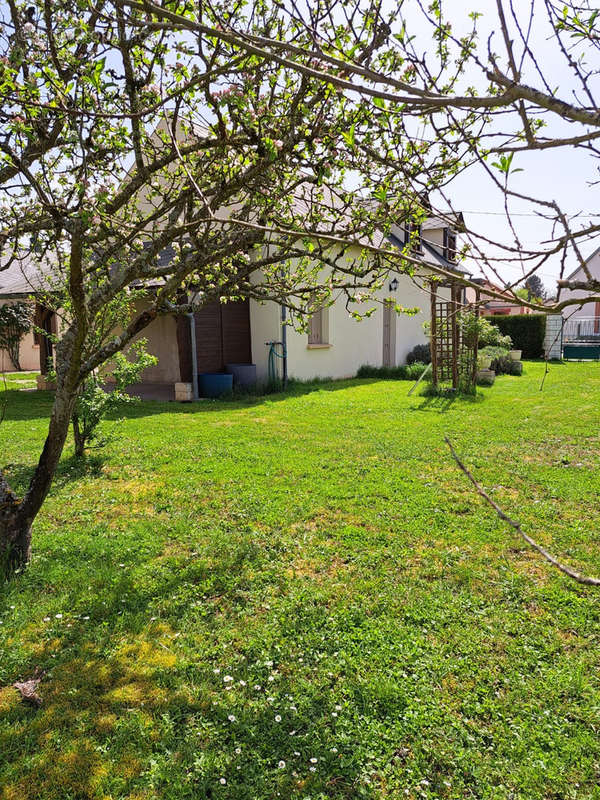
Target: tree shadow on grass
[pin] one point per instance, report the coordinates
(442, 403)
(27, 406)
(18, 405)
(69, 469)
(128, 711)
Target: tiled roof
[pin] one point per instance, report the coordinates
(23, 276)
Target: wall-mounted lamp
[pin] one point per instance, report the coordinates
(393, 285)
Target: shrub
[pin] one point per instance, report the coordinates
(420, 353)
(527, 332)
(415, 370)
(501, 362)
(502, 365)
(395, 373)
(516, 368)
(494, 352)
(477, 330)
(406, 372)
(97, 399)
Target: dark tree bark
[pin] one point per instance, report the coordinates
(15, 538)
(14, 352)
(17, 515)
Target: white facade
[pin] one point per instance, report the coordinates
(587, 310)
(350, 343)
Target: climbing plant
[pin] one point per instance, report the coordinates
(15, 321)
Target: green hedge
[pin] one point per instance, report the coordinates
(404, 372)
(527, 332)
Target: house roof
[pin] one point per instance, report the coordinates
(587, 261)
(23, 276)
(445, 220)
(430, 255)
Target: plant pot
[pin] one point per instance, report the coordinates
(515, 354)
(214, 384)
(486, 377)
(485, 362)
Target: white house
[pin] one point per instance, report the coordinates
(336, 344)
(583, 321)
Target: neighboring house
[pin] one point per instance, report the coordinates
(582, 322)
(335, 345)
(494, 305)
(19, 282)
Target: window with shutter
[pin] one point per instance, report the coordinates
(315, 328)
(450, 244)
(318, 333)
(413, 236)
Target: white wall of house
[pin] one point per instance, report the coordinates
(588, 309)
(29, 351)
(351, 343)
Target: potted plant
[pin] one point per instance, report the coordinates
(515, 354)
(484, 360)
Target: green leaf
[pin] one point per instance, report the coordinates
(97, 73)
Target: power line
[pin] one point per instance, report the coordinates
(529, 214)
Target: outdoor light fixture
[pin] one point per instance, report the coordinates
(393, 285)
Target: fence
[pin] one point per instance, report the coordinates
(582, 329)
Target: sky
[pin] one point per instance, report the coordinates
(564, 174)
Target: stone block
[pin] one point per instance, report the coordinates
(183, 392)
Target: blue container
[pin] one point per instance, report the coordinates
(214, 384)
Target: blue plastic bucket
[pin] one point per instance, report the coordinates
(214, 384)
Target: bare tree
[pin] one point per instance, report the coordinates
(453, 91)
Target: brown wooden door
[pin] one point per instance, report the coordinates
(223, 336)
(235, 320)
(209, 344)
(389, 334)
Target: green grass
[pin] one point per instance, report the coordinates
(322, 551)
(18, 380)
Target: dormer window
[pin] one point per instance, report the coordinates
(413, 236)
(449, 244)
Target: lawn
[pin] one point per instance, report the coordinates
(18, 380)
(301, 597)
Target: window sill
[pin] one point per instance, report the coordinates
(317, 346)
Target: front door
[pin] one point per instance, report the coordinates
(389, 334)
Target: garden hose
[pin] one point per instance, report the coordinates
(273, 355)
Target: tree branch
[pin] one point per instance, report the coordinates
(576, 576)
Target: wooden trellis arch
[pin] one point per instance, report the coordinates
(447, 345)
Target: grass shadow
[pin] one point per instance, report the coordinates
(121, 693)
(69, 469)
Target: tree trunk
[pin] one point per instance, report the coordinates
(15, 532)
(17, 516)
(14, 353)
(15, 544)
